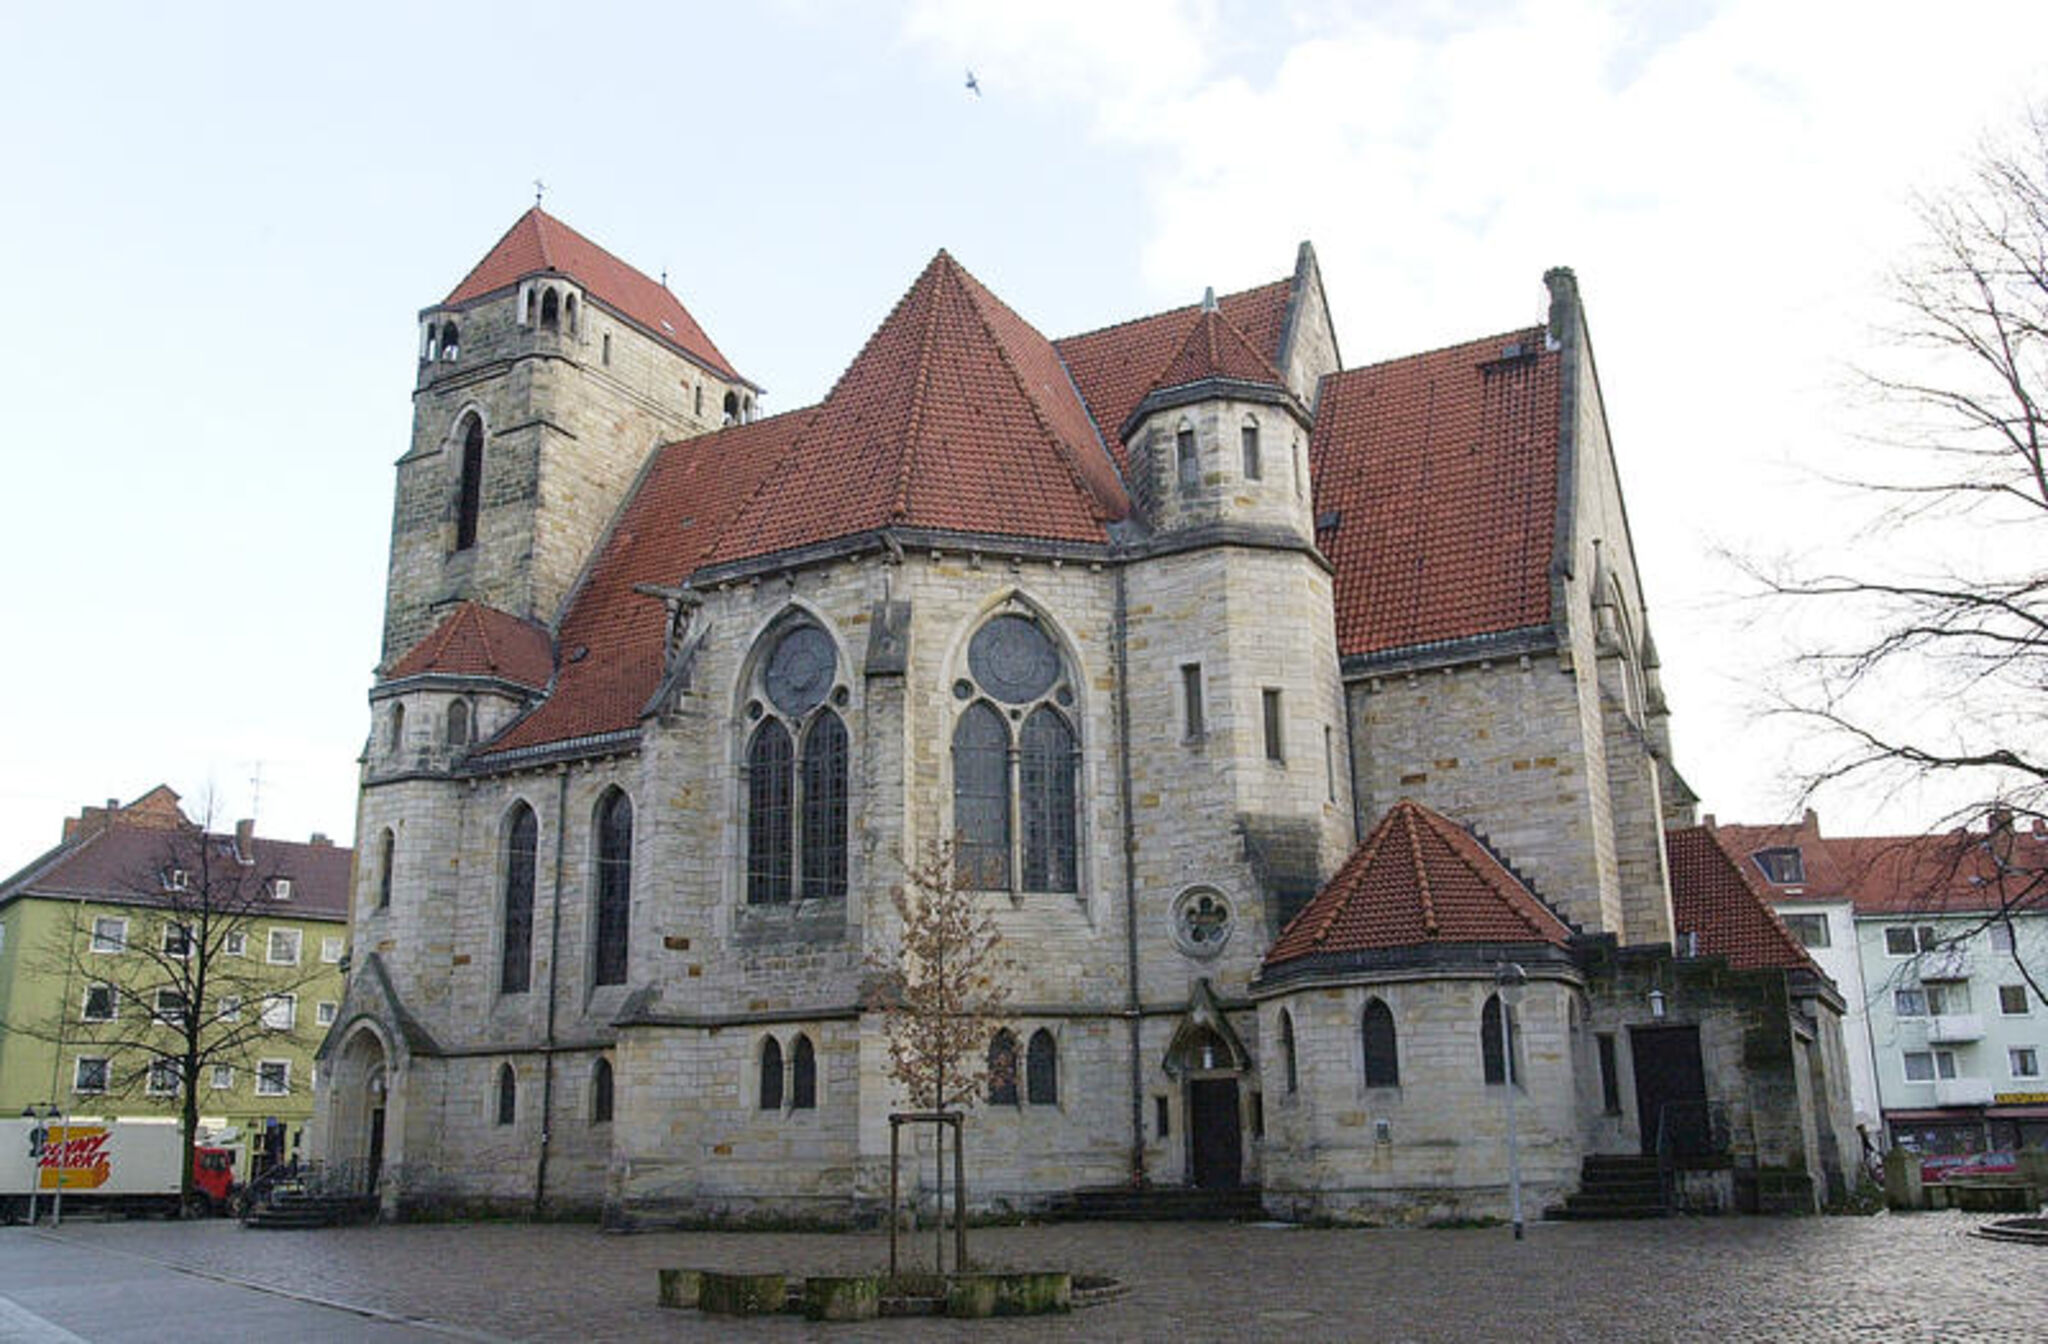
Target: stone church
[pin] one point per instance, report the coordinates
(1300, 727)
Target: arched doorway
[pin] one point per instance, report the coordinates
(361, 1088)
(1208, 1060)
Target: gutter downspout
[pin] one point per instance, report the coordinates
(1120, 640)
(547, 1058)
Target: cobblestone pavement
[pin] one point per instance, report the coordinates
(1917, 1277)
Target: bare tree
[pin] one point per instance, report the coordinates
(938, 989)
(182, 988)
(1929, 645)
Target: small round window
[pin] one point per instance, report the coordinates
(800, 670)
(1202, 921)
(1013, 659)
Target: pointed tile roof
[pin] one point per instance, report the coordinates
(957, 416)
(1441, 471)
(1418, 880)
(613, 638)
(1717, 897)
(1215, 348)
(1116, 366)
(539, 242)
(479, 641)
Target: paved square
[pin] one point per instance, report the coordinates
(1917, 1277)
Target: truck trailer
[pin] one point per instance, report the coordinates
(121, 1165)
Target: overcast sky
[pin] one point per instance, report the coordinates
(222, 220)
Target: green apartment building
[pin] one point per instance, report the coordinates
(140, 915)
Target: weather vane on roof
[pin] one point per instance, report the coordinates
(540, 189)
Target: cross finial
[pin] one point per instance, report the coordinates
(540, 189)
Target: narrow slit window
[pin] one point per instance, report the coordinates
(1249, 439)
(1191, 697)
(1270, 702)
(1187, 462)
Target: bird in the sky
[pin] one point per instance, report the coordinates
(973, 84)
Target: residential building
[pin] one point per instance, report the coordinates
(101, 942)
(1949, 941)
(1276, 709)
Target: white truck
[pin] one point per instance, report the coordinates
(128, 1165)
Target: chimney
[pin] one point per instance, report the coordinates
(320, 839)
(1563, 323)
(245, 840)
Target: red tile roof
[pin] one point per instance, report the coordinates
(1442, 469)
(955, 416)
(1116, 366)
(1215, 348)
(1419, 879)
(480, 641)
(1953, 871)
(538, 242)
(613, 640)
(1720, 899)
(122, 862)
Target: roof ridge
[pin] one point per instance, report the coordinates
(1168, 312)
(1422, 892)
(940, 269)
(1061, 448)
(541, 219)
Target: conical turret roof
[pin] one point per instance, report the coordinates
(1419, 880)
(956, 416)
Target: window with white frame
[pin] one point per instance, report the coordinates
(1924, 1066)
(100, 1004)
(281, 1011)
(235, 944)
(170, 1007)
(177, 940)
(89, 1074)
(223, 1078)
(331, 948)
(1782, 866)
(1905, 940)
(177, 879)
(281, 889)
(284, 947)
(2012, 1000)
(1909, 1002)
(2024, 1060)
(163, 1078)
(1937, 1000)
(324, 1011)
(109, 934)
(228, 1008)
(273, 1077)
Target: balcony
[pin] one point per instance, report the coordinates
(1955, 1028)
(1962, 1092)
(1945, 963)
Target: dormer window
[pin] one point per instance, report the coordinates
(1782, 866)
(281, 889)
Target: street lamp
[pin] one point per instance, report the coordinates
(1509, 978)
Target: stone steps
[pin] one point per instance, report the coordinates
(1160, 1204)
(1613, 1186)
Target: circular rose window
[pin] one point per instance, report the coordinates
(1202, 921)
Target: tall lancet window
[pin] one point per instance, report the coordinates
(1016, 762)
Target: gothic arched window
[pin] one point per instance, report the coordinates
(469, 486)
(796, 766)
(550, 310)
(1382, 1058)
(1042, 1070)
(458, 723)
(1016, 800)
(614, 886)
(803, 1075)
(1002, 1068)
(569, 314)
(771, 1074)
(451, 342)
(1287, 1055)
(1494, 1052)
(601, 1092)
(508, 1095)
(522, 843)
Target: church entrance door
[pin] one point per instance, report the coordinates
(1671, 1090)
(1214, 1134)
